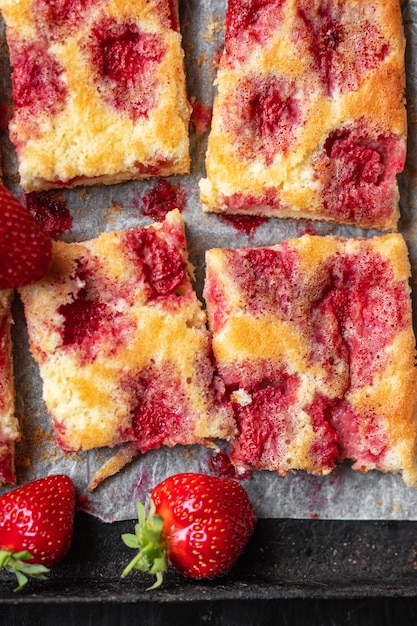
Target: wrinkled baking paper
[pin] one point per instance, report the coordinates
(346, 494)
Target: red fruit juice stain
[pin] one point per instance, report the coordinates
(50, 212)
(143, 486)
(221, 465)
(316, 496)
(247, 224)
(306, 228)
(83, 503)
(162, 198)
(201, 117)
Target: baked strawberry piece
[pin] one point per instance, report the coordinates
(94, 83)
(313, 339)
(9, 427)
(309, 119)
(121, 343)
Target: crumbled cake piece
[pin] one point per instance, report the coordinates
(313, 339)
(122, 345)
(94, 83)
(309, 120)
(9, 426)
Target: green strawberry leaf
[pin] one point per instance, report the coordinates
(149, 541)
(17, 563)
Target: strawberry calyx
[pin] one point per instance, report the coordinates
(18, 563)
(150, 542)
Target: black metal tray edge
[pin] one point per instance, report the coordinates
(285, 559)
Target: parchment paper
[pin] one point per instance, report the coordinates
(346, 494)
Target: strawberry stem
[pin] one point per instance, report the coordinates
(18, 565)
(150, 543)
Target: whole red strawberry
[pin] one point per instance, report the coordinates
(25, 250)
(36, 525)
(198, 523)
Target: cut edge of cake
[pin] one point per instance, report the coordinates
(9, 425)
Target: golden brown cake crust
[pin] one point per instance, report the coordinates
(93, 91)
(318, 87)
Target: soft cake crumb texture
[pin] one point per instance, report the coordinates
(314, 341)
(85, 118)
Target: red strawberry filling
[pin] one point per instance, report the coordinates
(202, 117)
(360, 437)
(324, 449)
(89, 323)
(268, 115)
(157, 419)
(267, 279)
(357, 171)
(60, 17)
(250, 22)
(343, 44)
(247, 224)
(82, 319)
(7, 470)
(38, 82)
(349, 314)
(126, 61)
(218, 302)
(371, 307)
(165, 270)
(169, 8)
(356, 316)
(267, 199)
(268, 425)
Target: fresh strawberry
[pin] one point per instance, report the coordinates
(25, 250)
(36, 524)
(198, 523)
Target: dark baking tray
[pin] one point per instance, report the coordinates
(292, 560)
(285, 559)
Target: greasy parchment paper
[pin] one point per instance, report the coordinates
(346, 494)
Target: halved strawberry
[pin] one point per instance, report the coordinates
(25, 250)
(36, 525)
(198, 523)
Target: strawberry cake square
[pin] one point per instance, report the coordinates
(309, 120)
(93, 85)
(122, 344)
(9, 427)
(314, 342)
